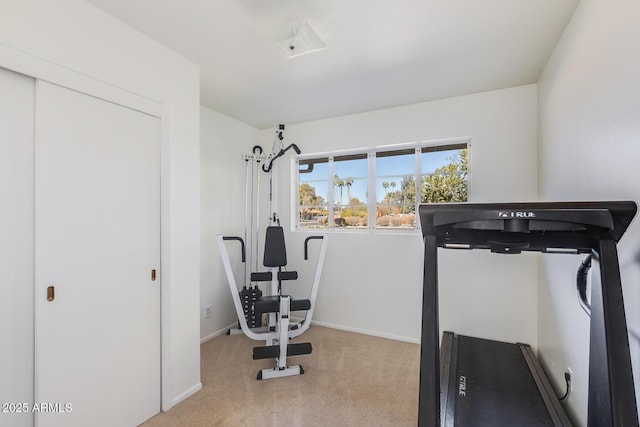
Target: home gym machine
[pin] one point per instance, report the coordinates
(475, 382)
(251, 302)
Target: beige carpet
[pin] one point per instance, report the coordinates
(350, 380)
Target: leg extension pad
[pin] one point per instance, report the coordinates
(271, 304)
(273, 351)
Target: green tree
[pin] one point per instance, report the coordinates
(448, 183)
(408, 189)
(405, 196)
(356, 209)
(308, 200)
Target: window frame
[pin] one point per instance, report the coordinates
(371, 155)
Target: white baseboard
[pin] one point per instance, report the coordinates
(326, 325)
(186, 394)
(217, 333)
(366, 332)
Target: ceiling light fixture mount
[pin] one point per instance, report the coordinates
(301, 39)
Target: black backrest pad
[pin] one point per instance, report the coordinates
(275, 252)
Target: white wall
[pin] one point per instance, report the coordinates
(72, 36)
(222, 142)
(589, 110)
(373, 282)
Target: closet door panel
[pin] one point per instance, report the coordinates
(16, 248)
(97, 203)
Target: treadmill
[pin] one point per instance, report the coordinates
(470, 381)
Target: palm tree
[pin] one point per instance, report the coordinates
(394, 199)
(340, 184)
(385, 185)
(348, 183)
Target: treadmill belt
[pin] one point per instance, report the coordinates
(494, 386)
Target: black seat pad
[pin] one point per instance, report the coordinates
(271, 304)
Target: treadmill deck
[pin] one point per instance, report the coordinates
(490, 383)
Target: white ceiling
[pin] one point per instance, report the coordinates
(379, 54)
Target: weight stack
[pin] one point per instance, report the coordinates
(248, 296)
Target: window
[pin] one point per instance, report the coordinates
(376, 188)
(396, 176)
(350, 186)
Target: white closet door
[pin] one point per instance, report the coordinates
(16, 248)
(97, 215)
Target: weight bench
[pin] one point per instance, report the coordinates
(280, 329)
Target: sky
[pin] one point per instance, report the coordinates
(389, 169)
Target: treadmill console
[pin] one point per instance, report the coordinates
(513, 227)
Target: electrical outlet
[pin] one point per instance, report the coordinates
(207, 311)
(568, 376)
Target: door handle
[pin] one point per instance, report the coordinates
(51, 293)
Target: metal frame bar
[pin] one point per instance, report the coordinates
(271, 336)
(429, 399)
(612, 400)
